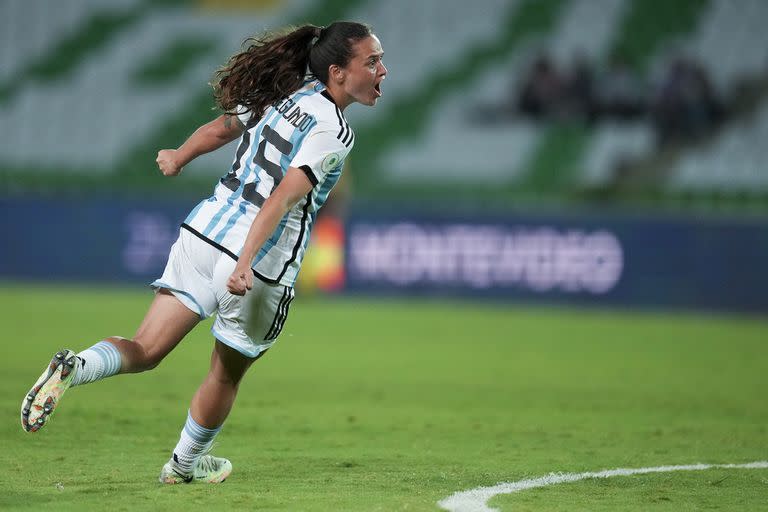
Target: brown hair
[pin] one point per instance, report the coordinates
(273, 65)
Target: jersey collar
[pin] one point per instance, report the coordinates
(328, 96)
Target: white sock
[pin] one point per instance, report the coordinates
(195, 440)
(98, 362)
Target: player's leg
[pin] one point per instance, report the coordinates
(210, 407)
(245, 328)
(215, 396)
(183, 298)
(164, 326)
(166, 323)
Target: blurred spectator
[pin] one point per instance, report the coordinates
(542, 90)
(620, 92)
(684, 105)
(579, 95)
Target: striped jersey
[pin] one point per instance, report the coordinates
(307, 131)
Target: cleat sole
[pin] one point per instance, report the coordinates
(64, 365)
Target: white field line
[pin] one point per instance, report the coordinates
(475, 500)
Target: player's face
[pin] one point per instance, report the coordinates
(364, 72)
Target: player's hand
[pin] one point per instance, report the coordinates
(166, 161)
(241, 280)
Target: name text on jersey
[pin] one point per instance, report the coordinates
(293, 114)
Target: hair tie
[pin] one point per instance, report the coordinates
(317, 33)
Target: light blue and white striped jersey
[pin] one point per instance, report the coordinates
(307, 131)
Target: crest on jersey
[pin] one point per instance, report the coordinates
(330, 162)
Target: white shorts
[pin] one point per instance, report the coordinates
(197, 275)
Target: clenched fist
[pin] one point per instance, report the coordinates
(167, 162)
(241, 280)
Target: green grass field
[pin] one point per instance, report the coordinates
(373, 405)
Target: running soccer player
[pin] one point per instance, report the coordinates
(239, 251)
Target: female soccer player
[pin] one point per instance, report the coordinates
(239, 251)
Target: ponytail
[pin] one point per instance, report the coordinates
(270, 68)
(273, 66)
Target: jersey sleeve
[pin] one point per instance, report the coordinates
(319, 154)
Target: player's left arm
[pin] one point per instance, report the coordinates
(209, 137)
(294, 186)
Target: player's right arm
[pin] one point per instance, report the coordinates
(291, 189)
(209, 137)
(321, 152)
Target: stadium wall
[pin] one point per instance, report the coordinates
(606, 259)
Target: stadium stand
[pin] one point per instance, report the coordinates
(31, 29)
(416, 42)
(539, 155)
(103, 109)
(612, 144)
(734, 162)
(729, 41)
(583, 27)
(587, 28)
(102, 85)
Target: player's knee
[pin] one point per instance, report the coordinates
(143, 364)
(137, 357)
(150, 359)
(151, 364)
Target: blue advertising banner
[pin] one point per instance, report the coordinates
(602, 259)
(651, 261)
(87, 239)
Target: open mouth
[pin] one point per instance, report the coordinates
(377, 88)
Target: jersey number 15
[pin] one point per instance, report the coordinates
(232, 182)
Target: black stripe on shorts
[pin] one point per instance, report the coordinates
(282, 311)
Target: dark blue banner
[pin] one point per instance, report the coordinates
(602, 259)
(630, 260)
(87, 239)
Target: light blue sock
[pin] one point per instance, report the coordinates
(98, 362)
(194, 441)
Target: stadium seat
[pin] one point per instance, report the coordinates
(734, 162)
(728, 40)
(612, 143)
